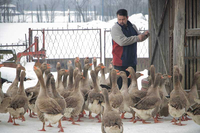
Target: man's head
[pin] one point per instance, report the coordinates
(122, 16)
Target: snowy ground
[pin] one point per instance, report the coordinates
(32, 125)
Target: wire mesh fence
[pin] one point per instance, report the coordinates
(66, 44)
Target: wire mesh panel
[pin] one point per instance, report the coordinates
(66, 44)
(70, 43)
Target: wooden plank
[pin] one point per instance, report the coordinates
(186, 48)
(198, 39)
(194, 31)
(157, 33)
(179, 36)
(195, 38)
(191, 43)
(171, 28)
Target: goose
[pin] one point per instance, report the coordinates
(149, 105)
(1, 92)
(193, 93)
(47, 108)
(56, 96)
(115, 96)
(77, 63)
(95, 98)
(33, 92)
(19, 103)
(111, 121)
(108, 83)
(86, 60)
(65, 79)
(94, 62)
(59, 83)
(195, 114)
(102, 78)
(75, 101)
(178, 103)
(164, 94)
(12, 90)
(4, 99)
(135, 94)
(127, 101)
(85, 86)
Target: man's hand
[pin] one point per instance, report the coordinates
(143, 35)
(146, 33)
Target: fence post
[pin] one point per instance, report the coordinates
(30, 42)
(100, 47)
(43, 47)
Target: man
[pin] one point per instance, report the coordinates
(125, 36)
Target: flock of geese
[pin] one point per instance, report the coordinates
(73, 92)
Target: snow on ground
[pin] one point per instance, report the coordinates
(32, 125)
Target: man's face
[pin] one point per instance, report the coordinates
(122, 20)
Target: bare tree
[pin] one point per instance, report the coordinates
(5, 9)
(52, 4)
(23, 6)
(80, 5)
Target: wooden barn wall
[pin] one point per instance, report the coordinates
(192, 37)
(192, 41)
(157, 10)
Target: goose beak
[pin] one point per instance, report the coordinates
(35, 67)
(169, 76)
(91, 64)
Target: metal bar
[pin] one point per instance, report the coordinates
(64, 29)
(11, 45)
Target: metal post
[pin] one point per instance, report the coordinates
(102, 10)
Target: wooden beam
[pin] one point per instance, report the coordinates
(193, 32)
(157, 35)
(179, 36)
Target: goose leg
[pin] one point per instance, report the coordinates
(99, 118)
(144, 122)
(23, 118)
(180, 124)
(49, 125)
(122, 116)
(133, 118)
(156, 120)
(174, 120)
(60, 126)
(64, 118)
(73, 122)
(10, 119)
(14, 122)
(43, 127)
(90, 115)
(79, 118)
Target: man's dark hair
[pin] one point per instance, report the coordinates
(122, 12)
